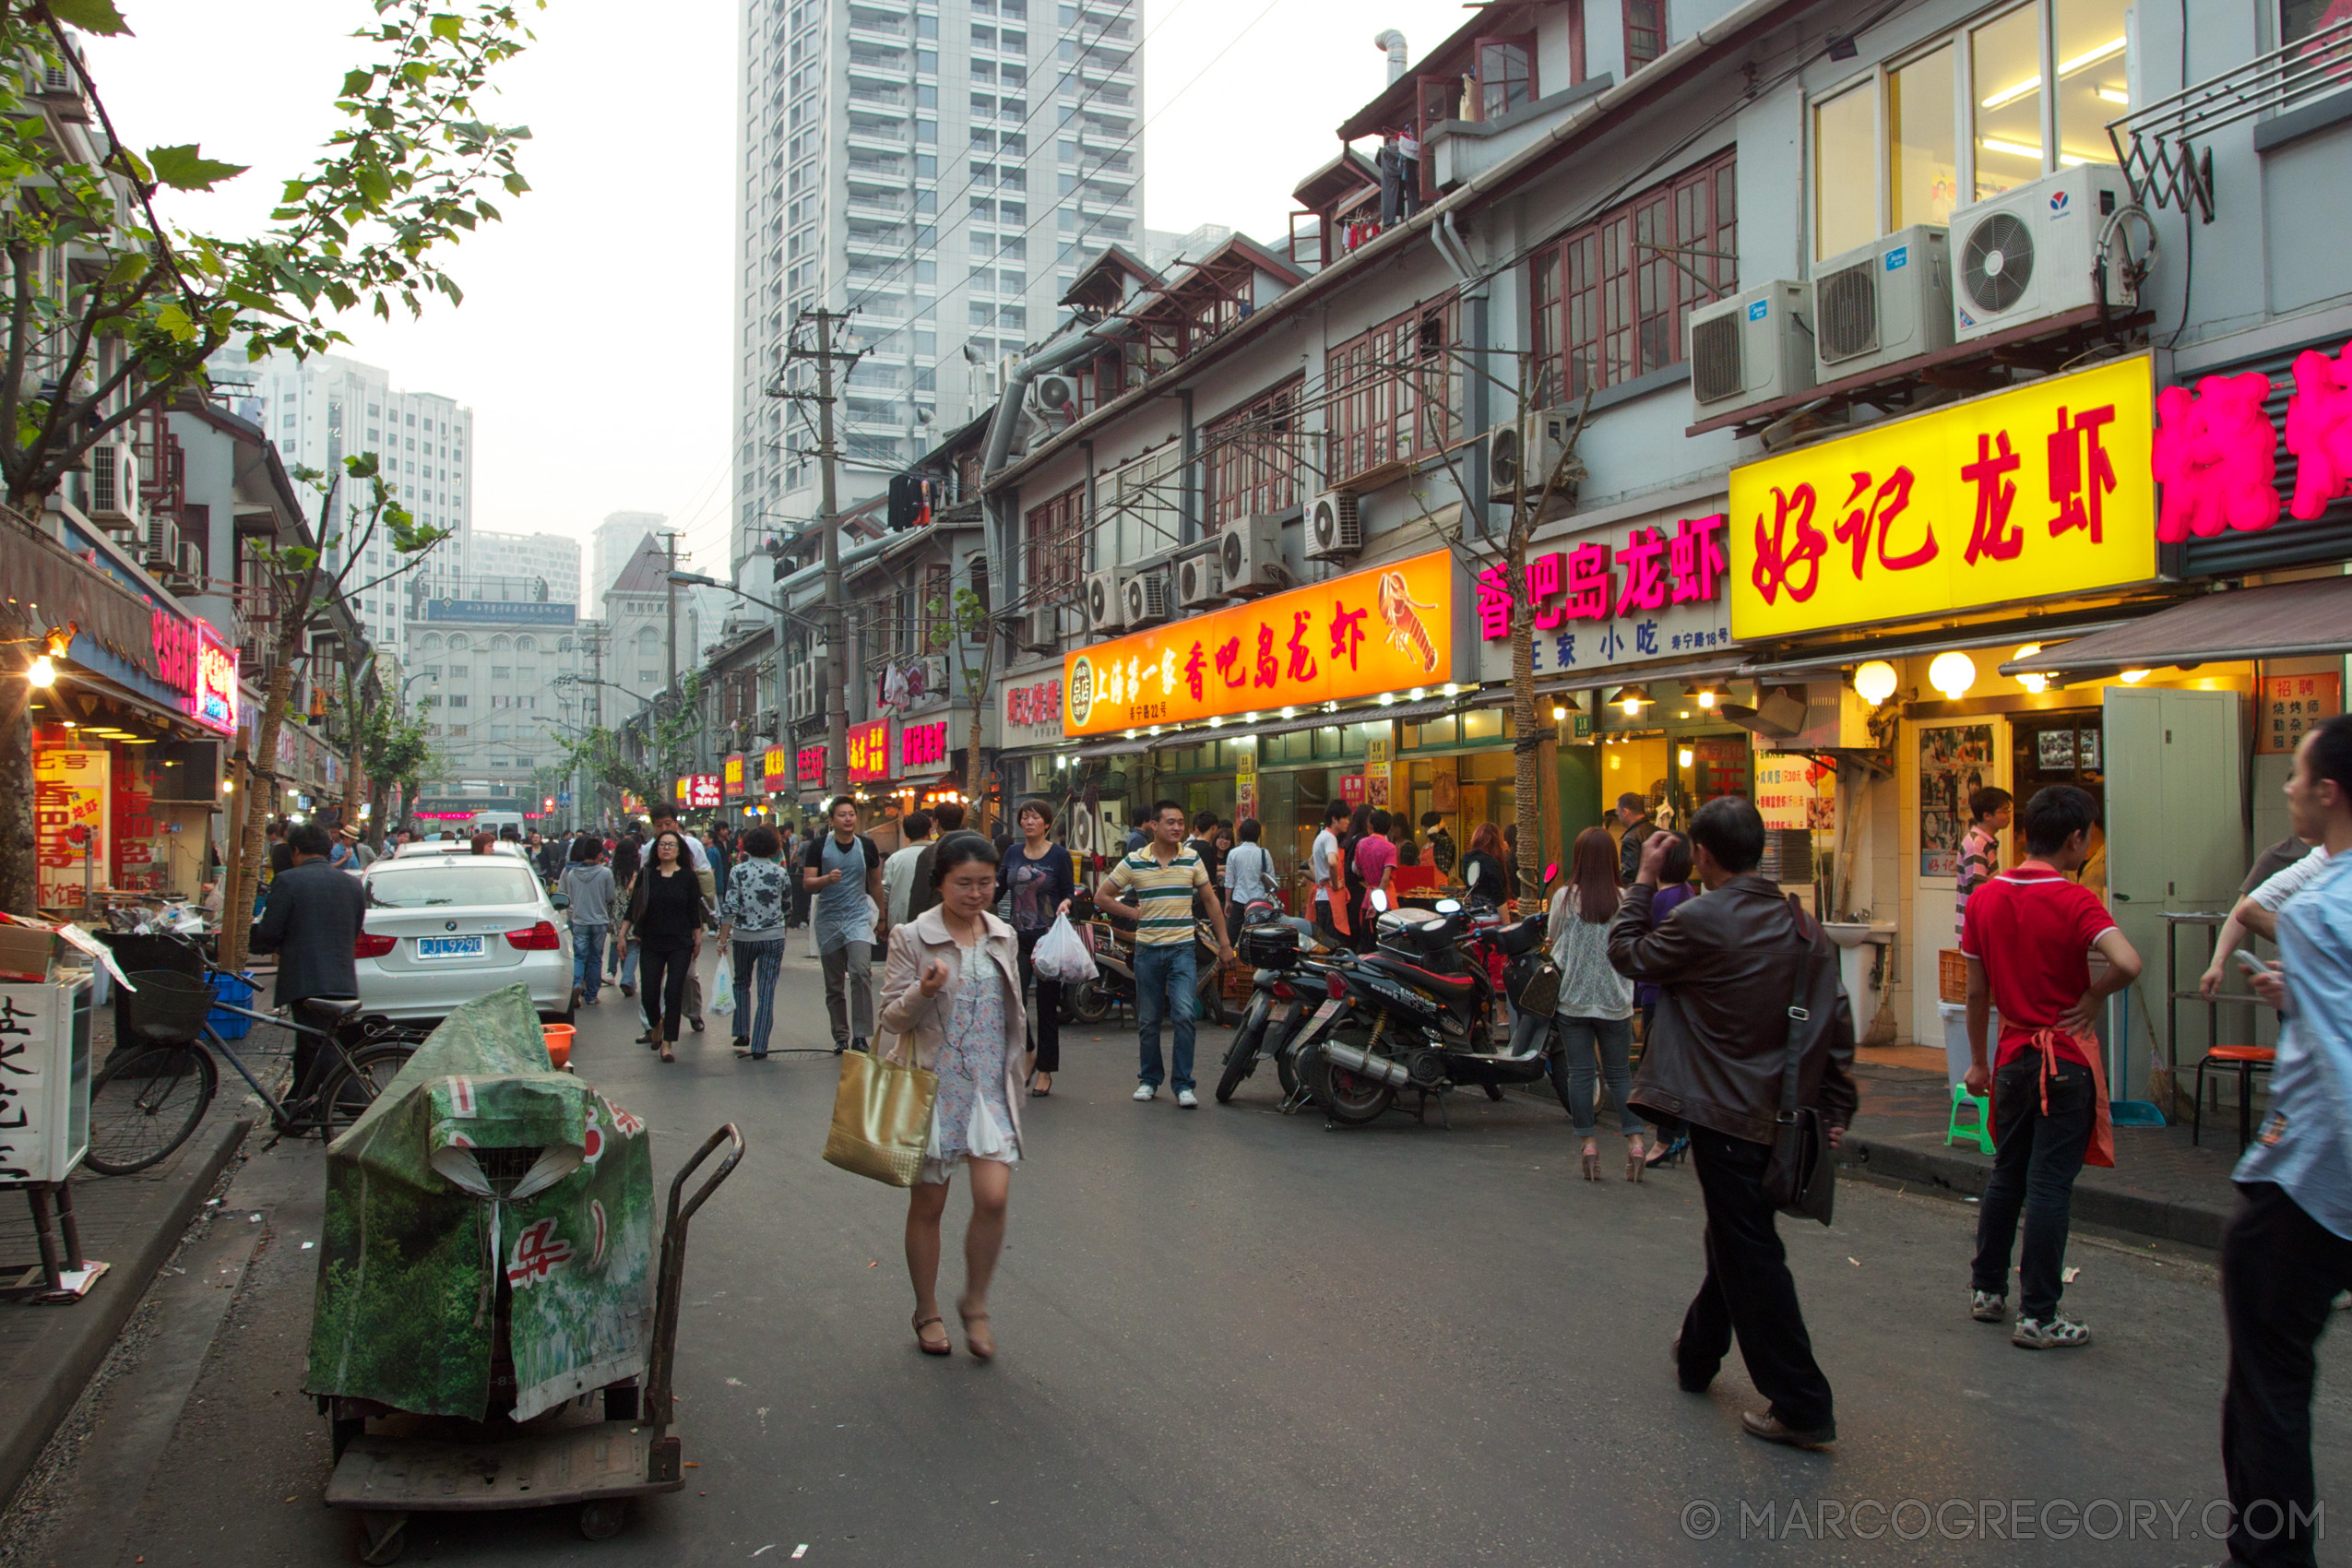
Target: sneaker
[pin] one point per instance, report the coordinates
(2056, 1333)
(1188, 1099)
(1144, 1091)
(1986, 1307)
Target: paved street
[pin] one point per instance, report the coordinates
(1231, 1336)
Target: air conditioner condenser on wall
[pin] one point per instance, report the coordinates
(1887, 300)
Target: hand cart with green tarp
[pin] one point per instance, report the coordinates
(486, 1273)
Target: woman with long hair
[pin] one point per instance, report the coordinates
(1595, 1013)
(666, 916)
(1489, 886)
(951, 995)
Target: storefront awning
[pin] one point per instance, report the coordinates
(1428, 708)
(2279, 621)
(1828, 663)
(1120, 748)
(1717, 668)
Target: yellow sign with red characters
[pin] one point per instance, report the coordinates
(2039, 490)
(1384, 629)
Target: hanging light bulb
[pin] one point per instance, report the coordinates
(1953, 674)
(1706, 697)
(1559, 713)
(1628, 701)
(1875, 682)
(2035, 683)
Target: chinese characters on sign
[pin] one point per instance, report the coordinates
(1788, 790)
(809, 763)
(1384, 629)
(2292, 707)
(2217, 450)
(698, 791)
(776, 771)
(1646, 590)
(70, 829)
(27, 1096)
(921, 746)
(1036, 704)
(732, 772)
(2017, 496)
(869, 751)
(191, 658)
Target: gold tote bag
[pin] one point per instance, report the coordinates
(881, 1117)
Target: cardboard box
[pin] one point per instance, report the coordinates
(25, 953)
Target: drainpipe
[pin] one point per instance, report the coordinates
(1448, 240)
(1188, 487)
(1394, 42)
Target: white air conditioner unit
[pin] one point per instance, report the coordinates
(1523, 453)
(1051, 394)
(113, 482)
(1041, 628)
(1147, 598)
(1887, 300)
(1106, 600)
(2030, 252)
(1751, 347)
(1200, 577)
(191, 561)
(1249, 557)
(1335, 528)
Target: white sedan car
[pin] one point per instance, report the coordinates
(441, 930)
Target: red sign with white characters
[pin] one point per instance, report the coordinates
(808, 764)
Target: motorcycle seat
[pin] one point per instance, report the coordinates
(1415, 974)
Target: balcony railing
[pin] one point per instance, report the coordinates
(2159, 145)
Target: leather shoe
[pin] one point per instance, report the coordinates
(1764, 1424)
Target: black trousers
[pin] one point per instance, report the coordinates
(2280, 1273)
(1045, 1012)
(663, 965)
(2033, 1168)
(1324, 924)
(1748, 1290)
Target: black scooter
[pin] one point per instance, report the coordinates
(1274, 946)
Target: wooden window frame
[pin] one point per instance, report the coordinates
(1647, 12)
(1607, 296)
(1254, 471)
(1526, 43)
(1378, 390)
(1054, 540)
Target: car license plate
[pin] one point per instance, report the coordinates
(448, 946)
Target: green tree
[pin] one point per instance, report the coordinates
(391, 747)
(960, 626)
(648, 770)
(113, 310)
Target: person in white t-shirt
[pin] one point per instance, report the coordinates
(898, 871)
(1322, 864)
(2256, 914)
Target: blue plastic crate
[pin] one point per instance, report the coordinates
(237, 993)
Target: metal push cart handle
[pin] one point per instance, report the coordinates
(662, 1354)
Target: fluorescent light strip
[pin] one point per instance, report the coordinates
(2014, 149)
(2107, 51)
(2115, 95)
(2009, 95)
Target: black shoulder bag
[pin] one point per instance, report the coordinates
(1801, 1178)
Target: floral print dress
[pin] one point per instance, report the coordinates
(971, 1118)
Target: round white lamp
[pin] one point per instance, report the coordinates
(1953, 674)
(1875, 682)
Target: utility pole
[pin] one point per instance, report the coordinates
(837, 653)
(670, 543)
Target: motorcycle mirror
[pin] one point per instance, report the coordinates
(1380, 900)
(1448, 905)
(1470, 877)
(1552, 873)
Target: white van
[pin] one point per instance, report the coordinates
(497, 822)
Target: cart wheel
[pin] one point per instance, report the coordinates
(383, 1537)
(602, 1520)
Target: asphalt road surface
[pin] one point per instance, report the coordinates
(1231, 1336)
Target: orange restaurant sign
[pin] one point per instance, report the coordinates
(1386, 628)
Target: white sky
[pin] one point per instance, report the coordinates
(594, 342)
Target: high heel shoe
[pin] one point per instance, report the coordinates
(982, 1344)
(1634, 1164)
(1669, 1152)
(1592, 1159)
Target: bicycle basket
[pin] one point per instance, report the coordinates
(167, 1008)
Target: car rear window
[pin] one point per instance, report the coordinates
(477, 882)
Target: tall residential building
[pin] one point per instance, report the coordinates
(319, 410)
(617, 538)
(551, 558)
(938, 169)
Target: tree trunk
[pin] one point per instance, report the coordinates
(20, 846)
(261, 775)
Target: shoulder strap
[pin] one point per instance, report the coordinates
(1800, 1016)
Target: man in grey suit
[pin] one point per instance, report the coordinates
(312, 922)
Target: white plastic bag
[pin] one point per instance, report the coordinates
(1061, 954)
(722, 987)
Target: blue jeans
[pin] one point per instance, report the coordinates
(1611, 1040)
(1164, 978)
(622, 959)
(588, 958)
(756, 964)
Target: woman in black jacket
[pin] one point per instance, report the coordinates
(1039, 874)
(666, 916)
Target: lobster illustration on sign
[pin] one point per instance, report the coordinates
(1407, 633)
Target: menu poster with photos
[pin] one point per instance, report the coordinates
(1955, 761)
(2293, 707)
(1794, 792)
(69, 794)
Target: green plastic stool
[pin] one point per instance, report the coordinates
(1956, 1131)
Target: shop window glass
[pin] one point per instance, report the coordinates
(1437, 732)
(1925, 180)
(1845, 172)
(2092, 87)
(2298, 20)
(2005, 57)
(1327, 742)
(1482, 724)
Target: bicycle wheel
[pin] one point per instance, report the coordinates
(145, 1104)
(348, 1091)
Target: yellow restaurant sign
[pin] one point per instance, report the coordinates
(1384, 629)
(2038, 491)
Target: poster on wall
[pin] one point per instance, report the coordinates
(69, 792)
(1794, 791)
(1954, 762)
(1444, 791)
(2293, 705)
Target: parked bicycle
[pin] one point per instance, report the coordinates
(163, 1076)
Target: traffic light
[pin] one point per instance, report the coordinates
(548, 804)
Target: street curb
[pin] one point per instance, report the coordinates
(99, 1317)
(2193, 1225)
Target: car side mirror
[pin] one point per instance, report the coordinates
(561, 901)
(1380, 900)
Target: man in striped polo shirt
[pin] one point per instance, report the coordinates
(1162, 876)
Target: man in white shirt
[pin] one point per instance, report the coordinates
(898, 871)
(1248, 870)
(1321, 859)
(2256, 914)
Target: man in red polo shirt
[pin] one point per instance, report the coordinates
(2026, 934)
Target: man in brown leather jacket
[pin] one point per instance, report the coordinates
(1728, 964)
